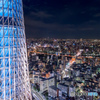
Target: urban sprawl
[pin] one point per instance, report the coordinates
(64, 69)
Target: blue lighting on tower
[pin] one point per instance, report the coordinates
(13, 56)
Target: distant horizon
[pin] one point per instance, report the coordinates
(65, 38)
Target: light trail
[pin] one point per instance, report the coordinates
(71, 62)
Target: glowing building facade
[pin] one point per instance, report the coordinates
(14, 75)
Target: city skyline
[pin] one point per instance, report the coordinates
(57, 56)
(62, 19)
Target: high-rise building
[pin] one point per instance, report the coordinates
(14, 75)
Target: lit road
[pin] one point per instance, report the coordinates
(66, 55)
(71, 62)
(36, 98)
(36, 95)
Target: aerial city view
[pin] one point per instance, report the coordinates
(49, 49)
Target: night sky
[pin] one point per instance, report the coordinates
(62, 18)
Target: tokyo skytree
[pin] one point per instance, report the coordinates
(14, 73)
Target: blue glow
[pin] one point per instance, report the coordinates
(9, 35)
(92, 94)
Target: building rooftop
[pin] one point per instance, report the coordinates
(53, 87)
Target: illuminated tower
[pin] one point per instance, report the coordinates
(14, 75)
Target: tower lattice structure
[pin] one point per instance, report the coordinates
(14, 74)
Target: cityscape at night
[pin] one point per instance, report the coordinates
(64, 69)
(49, 49)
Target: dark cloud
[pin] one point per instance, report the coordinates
(62, 18)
